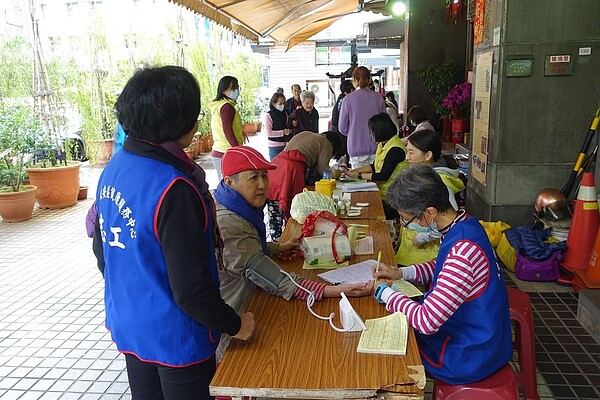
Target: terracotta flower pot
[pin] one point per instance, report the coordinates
(17, 206)
(83, 192)
(196, 144)
(461, 125)
(105, 148)
(249, 129)
(58, 187)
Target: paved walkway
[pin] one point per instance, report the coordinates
(53, 343)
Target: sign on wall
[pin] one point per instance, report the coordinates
(481, 116)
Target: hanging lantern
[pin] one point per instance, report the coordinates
(455, 11)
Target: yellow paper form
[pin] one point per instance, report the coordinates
(407, 288)
(386, 335)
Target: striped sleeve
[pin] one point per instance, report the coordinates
(464, 274)
(318, 288)
(424, 272)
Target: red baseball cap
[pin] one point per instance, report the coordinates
(243, 158)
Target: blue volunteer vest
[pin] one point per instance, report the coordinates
(476, 341)
(140, 311)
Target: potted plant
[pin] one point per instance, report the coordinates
(458, 104)
(439, 79)
(18, 130)
(53, 172)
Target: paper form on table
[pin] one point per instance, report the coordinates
(355, 273)
(386, 335)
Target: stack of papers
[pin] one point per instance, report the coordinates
(360, 187)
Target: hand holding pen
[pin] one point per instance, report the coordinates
(386, 273)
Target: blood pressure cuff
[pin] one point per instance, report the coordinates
(264, 272)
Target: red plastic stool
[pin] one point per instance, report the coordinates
(521, 313)
(500, 386)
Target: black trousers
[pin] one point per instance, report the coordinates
(149, 381)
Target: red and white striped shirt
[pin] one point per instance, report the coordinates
(463, 276)
(318, 288)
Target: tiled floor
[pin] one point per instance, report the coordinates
(53, 343)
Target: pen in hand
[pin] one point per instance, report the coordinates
(377, 266)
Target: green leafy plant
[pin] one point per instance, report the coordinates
(19, 131)
(439, 79)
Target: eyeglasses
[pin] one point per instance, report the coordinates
(201, 115)
(406, 223)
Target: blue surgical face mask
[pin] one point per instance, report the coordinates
(423, 229)
(279, 107)
(234, 94)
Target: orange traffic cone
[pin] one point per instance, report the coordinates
(590, 277)
(584, 226)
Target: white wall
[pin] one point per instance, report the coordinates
(298, 65)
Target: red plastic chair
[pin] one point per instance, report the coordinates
(500, 386)
(521, 313)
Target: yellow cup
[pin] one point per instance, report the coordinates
(324, 186)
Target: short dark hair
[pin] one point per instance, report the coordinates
(225, 83)
(417, 188)
(382, 127)
(159, 104)
(336, 141)
(276, 96)
(427, 140)
(346, 86)
(417, 114)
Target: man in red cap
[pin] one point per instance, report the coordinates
(241, 197)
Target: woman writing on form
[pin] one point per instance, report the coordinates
(462, 323)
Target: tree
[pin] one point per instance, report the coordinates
(15, 74)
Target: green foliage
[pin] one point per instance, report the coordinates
(439, 79)
(247, 70)
(20, 132)
(15, 73)
(199, 67)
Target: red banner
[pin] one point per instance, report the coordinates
(478, 25)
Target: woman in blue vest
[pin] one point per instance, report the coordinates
(463, 321)
(155, 241)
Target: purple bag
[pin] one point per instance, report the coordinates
(90, 220)
(539, 271)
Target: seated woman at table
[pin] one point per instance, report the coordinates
(241, 197)
(425, 147)
(390, 159)
(462, 322)
(306, 153)
(417, 243)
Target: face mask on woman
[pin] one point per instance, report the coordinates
(279, 107)
(423, 229)
(234, 94)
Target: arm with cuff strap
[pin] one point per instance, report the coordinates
(265, 273)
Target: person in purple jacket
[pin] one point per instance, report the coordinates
(357, 108)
